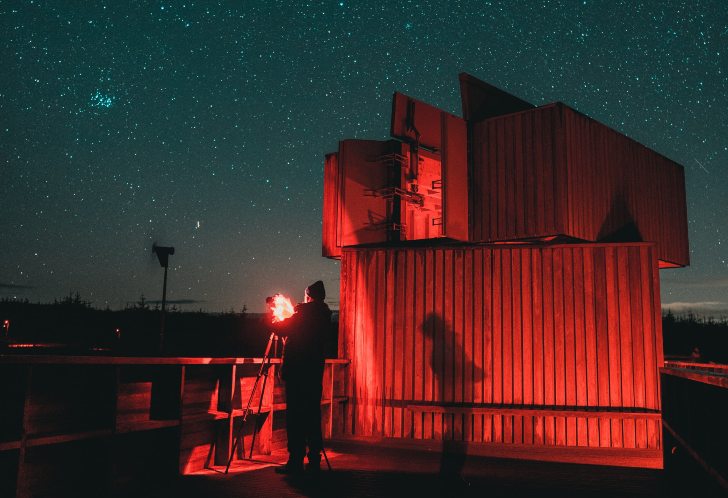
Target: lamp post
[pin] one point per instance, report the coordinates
(163, 254)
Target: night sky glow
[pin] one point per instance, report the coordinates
(203, 125)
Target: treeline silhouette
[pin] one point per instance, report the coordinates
(702, 339)
(73, 325)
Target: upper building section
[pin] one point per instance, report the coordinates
(509, 171)
(553, 171)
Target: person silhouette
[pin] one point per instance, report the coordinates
(302, 371)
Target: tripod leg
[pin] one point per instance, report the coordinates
(326, 457)
(236, 437)
(239, 434)
(262, 370)
(260, 406)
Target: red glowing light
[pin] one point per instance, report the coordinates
(281, 307)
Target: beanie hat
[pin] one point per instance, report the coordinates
(316, 291)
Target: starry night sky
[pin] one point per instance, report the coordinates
(203, 125)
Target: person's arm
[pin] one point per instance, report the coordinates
(286, 327)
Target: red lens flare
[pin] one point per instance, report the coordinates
(281, 307)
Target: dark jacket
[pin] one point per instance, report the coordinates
(307, 334)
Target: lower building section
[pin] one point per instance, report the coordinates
(545, 352)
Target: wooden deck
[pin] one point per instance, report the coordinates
(361, 470)
(153, 427)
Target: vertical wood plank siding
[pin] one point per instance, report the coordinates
(330, 247)
(553, 171)
(547, 347)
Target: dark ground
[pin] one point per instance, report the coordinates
(369, 471)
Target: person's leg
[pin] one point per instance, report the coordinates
(295, 427)
(314, 437)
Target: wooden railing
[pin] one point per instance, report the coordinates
(74, 424)
(695, 409)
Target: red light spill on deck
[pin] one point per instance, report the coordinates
(281, 307)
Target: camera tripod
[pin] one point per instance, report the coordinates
(262, 372)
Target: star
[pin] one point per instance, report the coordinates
(116, 113)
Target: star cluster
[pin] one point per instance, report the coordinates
(203, 125)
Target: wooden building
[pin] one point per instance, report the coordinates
(499, 280)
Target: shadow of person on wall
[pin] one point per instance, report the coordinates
(457, 428)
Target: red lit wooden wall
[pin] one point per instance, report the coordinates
(330, 248)
(553, 171)
(524, 351)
